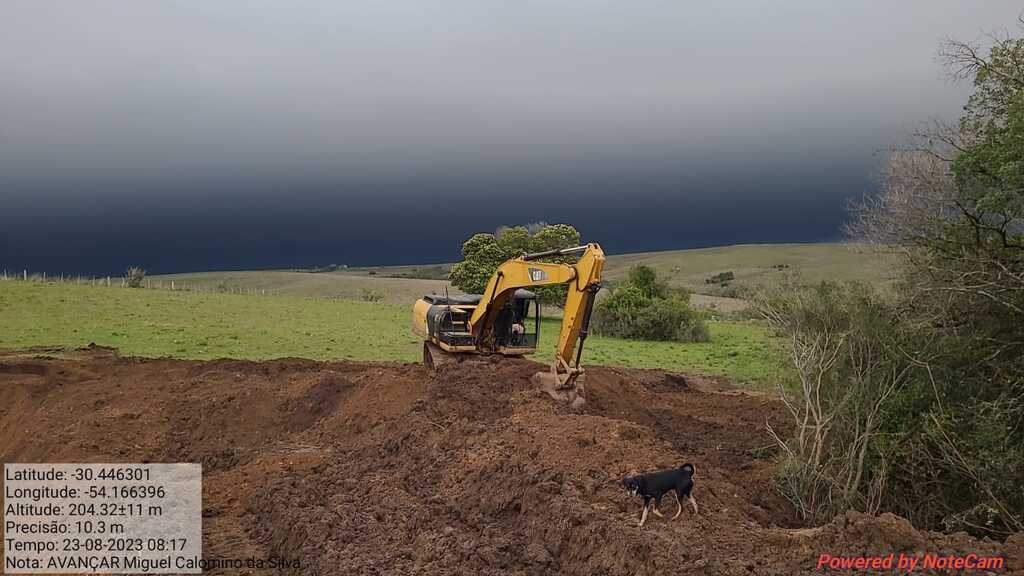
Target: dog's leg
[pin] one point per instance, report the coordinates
(643, 516)
(657, 508)
(678, 503)
(694, 504)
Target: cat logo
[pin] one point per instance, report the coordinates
(538, 275)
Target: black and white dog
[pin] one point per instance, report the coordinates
(654, 485)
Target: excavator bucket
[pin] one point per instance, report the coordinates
(563, 383)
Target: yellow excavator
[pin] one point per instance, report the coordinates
(499, 322)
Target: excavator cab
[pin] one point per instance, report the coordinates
(515, 330)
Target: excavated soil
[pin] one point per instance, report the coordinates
(380, 468)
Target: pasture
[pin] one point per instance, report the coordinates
(197, 325)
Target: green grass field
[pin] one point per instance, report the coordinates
(181, 324)
(346, 285)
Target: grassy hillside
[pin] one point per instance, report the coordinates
(210, 325)
(754, 264)
(751, 265)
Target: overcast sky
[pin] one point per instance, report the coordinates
(241, 134)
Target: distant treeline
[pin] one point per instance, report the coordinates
(428, 272)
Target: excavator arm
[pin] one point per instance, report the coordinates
(583, 280)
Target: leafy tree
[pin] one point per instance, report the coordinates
(950, 447)
(988, 167)
(483, 253)
(555, 236)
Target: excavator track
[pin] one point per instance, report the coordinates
(434, 357)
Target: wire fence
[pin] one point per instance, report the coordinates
(122, 282)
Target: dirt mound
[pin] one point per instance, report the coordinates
(363, 468)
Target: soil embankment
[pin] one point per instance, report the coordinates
(367, 468)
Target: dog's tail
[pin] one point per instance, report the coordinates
(688, 468)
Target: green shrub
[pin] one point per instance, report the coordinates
(134, 276)
(894, 411)
(843, 341)
(645, 307)
(722, 278)
(371, 295)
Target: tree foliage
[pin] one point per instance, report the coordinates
(645, 307)
(948, 450)
(134, 277)
(483, 253)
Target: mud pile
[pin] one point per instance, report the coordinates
(363, 468)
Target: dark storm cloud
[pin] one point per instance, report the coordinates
(261, 134)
